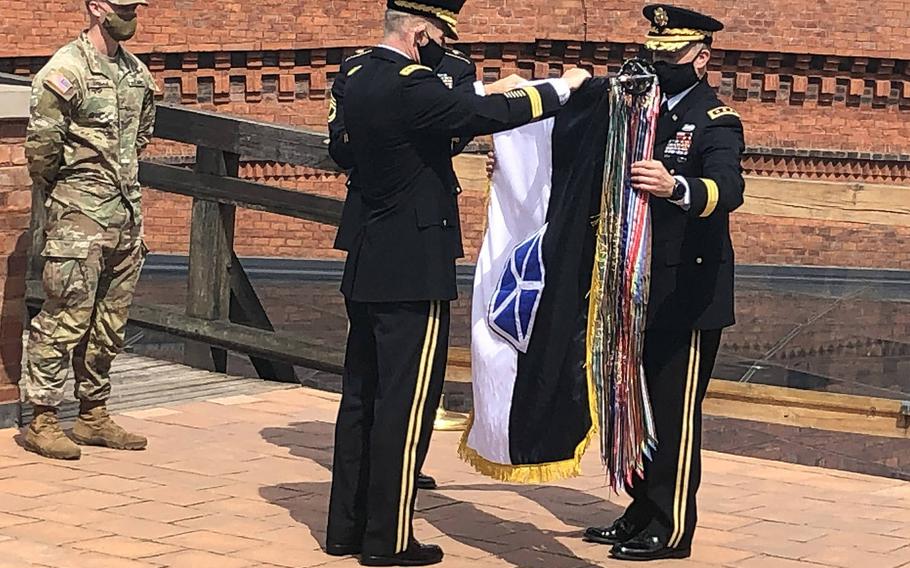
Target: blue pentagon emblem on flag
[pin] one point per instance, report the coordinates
(513, 308)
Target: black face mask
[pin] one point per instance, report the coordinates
(431, 54)
(675, 77)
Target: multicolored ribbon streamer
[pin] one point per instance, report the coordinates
(619, 288)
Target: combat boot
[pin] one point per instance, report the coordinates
(95, 427)
(45, 437)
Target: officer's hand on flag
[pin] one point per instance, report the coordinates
(491, 163)
(504, 85)
(575, 77)
(653, 177)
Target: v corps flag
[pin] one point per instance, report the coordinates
(561, 292)
(534, 407)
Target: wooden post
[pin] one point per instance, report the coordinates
(246, 309)
(14, 241)
(211, 251)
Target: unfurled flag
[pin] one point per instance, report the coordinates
(534, 408)
(560, 294)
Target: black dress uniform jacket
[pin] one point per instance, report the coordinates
(692, 255)
(456, 71)
(401, 120)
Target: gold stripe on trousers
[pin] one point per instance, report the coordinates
(415, 422)
(684, 467)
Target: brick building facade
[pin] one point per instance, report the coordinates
(821, 91)
(15, 207)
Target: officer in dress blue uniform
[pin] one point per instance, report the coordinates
(456, 71)
(400, 119)
(696, 181)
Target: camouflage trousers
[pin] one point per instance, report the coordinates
(90, 275)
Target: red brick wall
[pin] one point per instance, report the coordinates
(848, 27)
(784, 240)
(15, 205)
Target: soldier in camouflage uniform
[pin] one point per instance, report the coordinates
(92, 114)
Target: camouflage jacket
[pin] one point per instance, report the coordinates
(87, 129)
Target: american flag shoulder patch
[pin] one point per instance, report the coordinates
(58, 83)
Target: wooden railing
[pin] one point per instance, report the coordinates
(223, 311)
(10, 79)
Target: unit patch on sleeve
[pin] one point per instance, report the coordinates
(447, 80)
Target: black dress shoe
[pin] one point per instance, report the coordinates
(342, 549)
(416, 555)
(620, 531)
(647, 547)
(425, 481)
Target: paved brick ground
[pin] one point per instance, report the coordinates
(243, 482)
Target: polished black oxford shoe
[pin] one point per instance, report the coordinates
(620, 531)
(416, 555)
(647, 547)
(342, 548)
(425, 481)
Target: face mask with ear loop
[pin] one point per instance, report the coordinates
(675, 78)
(432, 53)
(120, 28)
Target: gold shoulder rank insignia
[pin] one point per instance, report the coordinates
(359, 52)
(412, 68)
(458, 55)
(60, 85)
(354, 70)
(718, 112)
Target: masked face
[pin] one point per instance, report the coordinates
(676, 77)
(120, 25)
(431, 51)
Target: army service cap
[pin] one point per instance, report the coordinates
(673, 28)
(446, 11)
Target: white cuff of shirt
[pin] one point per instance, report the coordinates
(560, 85)
(562, 89)
(686, 198)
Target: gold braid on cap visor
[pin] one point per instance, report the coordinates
(444, 15)
(671, 39)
